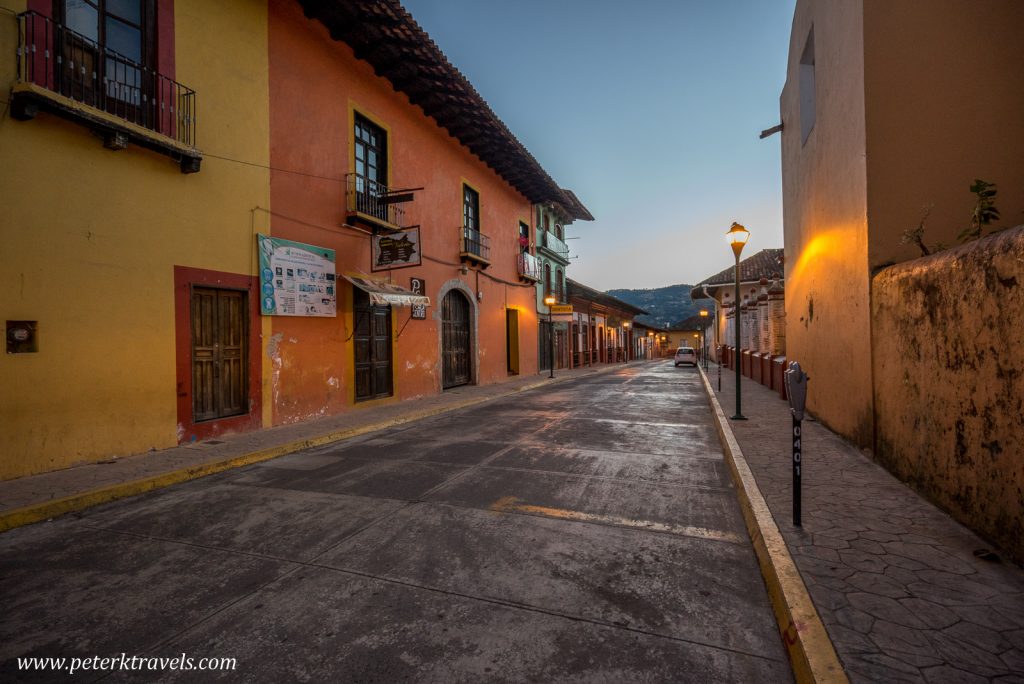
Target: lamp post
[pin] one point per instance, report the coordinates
(627, 343)
(650, 344)
(737, 237)
(550, 301)
(704, 337)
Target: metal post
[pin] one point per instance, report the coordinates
(797, 456)
(737, 359)
(551, 332)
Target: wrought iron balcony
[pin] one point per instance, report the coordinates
(58, 68)
(475, 246)
(529, 267)
(374, 204)
(556, 247)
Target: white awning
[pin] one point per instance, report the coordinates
(387, 293)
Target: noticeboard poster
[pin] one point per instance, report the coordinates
(396, 250)
(296, 279)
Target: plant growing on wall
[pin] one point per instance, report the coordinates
(985, 211)
(915, 235)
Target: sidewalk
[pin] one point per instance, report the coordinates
(894, 580)
(39, 497)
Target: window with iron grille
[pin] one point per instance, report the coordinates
(115, 40)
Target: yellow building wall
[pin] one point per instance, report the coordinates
(90, 238)
(944, 100)
(825, 219)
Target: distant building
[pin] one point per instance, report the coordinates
(602, 326)
(763, 316)
(550, 253)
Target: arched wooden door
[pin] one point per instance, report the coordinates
(455, 339)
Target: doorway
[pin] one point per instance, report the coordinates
(512, 340)
(219, 354)
(455, 340)
(372, 348)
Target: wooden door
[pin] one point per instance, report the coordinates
(512, 340)
(455, 339)
(219, 357)
(373, 364)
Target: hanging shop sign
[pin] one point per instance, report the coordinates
(419, 287)
(561, 308)
(396, 250)
(296, 279)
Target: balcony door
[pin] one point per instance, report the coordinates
(371, 157)
(108, 49)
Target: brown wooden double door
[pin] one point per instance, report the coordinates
(456, 325)
(373, 364)
(220, 378)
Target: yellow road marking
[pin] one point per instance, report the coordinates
(511, 504)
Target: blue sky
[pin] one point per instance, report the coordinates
(649, 110)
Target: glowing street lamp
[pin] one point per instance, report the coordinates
(550, 301)
(628, 342)
(737, 237)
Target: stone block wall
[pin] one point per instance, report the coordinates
(948, 340)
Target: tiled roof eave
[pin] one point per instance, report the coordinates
(384, 34)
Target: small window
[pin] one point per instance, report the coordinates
(470, 208)
(807, 88)
(524, 237)
(558, 231)
(547, 279)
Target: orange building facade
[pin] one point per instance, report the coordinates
(344, 144)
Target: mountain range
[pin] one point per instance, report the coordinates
(666, 307)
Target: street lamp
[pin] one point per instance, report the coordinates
(737, 237)
(550, 301)
(627, 342)
(704, 336)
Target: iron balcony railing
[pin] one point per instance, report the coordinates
(553, 244)
(475, 243)
(60, 60)
(529, 266)
(375, 200)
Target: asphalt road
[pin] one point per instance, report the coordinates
(583, 532)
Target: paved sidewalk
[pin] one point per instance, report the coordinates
(37, 497)
(894, 579)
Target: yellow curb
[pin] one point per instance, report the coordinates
(811, 653)
(34, 513)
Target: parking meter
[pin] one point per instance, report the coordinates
(796, 390)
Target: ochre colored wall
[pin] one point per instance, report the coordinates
(944, 101)
(825, 219)
(91, 238)
(316, 83)
(949, 373)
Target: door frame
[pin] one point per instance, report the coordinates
(184, 280)
(474, 331)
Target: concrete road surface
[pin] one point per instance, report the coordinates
(585, 532)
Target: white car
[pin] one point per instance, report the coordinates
(686, 355)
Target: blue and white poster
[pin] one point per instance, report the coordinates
(296, 279)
